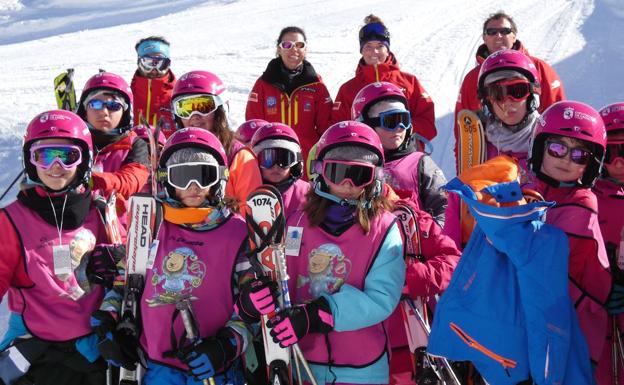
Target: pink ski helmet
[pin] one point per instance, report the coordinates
(59, 124)
(245, 131)
(575, 120)
(373, 93)
(510, 60)
(350, 133)
(112, 82)
(613, 116)
(279, 135)
(198, 82)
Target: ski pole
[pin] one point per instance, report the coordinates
(425, 326)
(11, 185)
(185, 311)
(297, 369)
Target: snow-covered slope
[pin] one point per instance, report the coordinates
(435, 40)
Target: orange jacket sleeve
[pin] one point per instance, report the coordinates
(255, 106)
(12, 271)
(244, 176)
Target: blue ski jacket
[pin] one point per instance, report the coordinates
(507, 307)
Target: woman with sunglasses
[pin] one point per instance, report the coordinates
(411, 173)
(509, 90)
(153, 83)
(121, 160)
(500, 33)
(200, 243)
(566, 156)
(281, 163)
(346, 266)
(46, 237)
(198, 100)
(291, 92)
(378, 64)
(609, 190)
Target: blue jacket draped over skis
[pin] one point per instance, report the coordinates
(507, 308)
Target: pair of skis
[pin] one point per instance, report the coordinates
(428, 369)
(154, 150)
(266, 224)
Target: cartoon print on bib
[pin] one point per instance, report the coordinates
(328, 269)
(181, 273)
(82, 243)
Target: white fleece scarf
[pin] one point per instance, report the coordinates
(511, 138)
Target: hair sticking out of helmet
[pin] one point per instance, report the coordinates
(573, 120)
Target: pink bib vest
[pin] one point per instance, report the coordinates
(195, 264)
(610, 209)
(402, 175)
(53, 309)
(324, 264)
(294, 197)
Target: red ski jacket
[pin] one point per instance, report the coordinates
(551, 87)
(150, 97)
(419, 103)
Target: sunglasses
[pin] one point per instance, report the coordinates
(282, 157)
(149, 63)
(292, 44)
(495, 31)
(374, 31)
(111, 105)
(559, 150)
(337, 171)
(204, 174)
(614, 150)
(391, 120)
(201, 104)
(517, 90)
(45, 155)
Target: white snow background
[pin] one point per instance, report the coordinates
(435, 40)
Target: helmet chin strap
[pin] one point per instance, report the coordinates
(334, 198)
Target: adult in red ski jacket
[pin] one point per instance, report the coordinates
(379, 64)
(291, 92)
(153, 82)
(499, 32)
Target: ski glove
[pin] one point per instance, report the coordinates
(115, 349)
(291, 325)
(104, 265)
(207, 357)
(257, 297)
(615, 301)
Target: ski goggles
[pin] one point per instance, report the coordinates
(614, 150)
(204, 174)
(495, 31)
(337, 171)
(158, 63)
(391, 120)
(188, 105)
(559, 150)
(282, 157)
(517, 90)
(285, 44)
(45, 155)
(374, 31)
(111, 105)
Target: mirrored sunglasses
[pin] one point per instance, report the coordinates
(391, 120)
(559, 150)
(111, 105)
(182, 175)
(517, 90)
(494, 31)
(285, 44)
(282, 157)
(337, 171)
(45, 155)
(188, 105)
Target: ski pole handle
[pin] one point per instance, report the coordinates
(184, 307)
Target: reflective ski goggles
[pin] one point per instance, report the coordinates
(45, 155)
(495, 31)
(111, 105)
(282, 157)
(614, 150)
(337, 171)
(559, 150)
(285, 44)
(391, 120)
(204, 174)
(158, 63)
(202, 104)
(374, 31)
(517, 90)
